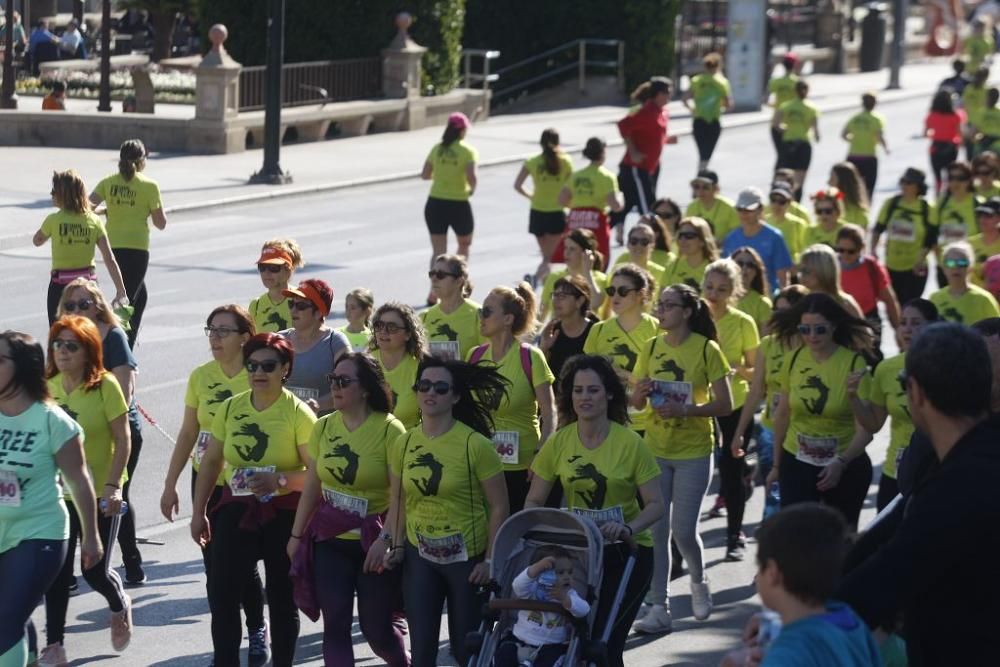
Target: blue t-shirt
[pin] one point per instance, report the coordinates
(769, 243)
(117, 353)
(837, 638)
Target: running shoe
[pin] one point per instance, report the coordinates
(260, 647)
(657, 621)
(134, 574)
(735, 549)
(53, 655)
(718, 509)
(74, 587)
(121, 627)
(701, 600)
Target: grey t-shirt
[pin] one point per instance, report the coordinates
(310, 368)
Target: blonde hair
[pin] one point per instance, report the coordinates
(730, 270)
(822, 262)
(289, 246)
(520, 302)
(710, 251)
(69, 191)
(105, 314)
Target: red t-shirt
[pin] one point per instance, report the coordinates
(647, 128)
(946, 127)
(864, 282)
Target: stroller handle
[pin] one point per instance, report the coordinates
(630, 542)
(529, 605)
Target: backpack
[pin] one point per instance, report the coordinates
(925, 215)
(479, 352)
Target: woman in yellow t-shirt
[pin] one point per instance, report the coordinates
(549, 171)
(589, 194)
(604, 468)
(447, 501)
(260, 440)
(358, 306)
(584, 259)
(452, 324)
(279, 259)
(399, 345)
(339, 541)
(75, 232)
(695, 250)
(955, 214)
(131, 199)
(986, 167)
(959, 300)
(508, 315)
(451, 168)
(819, 452)
(684, 378)
(829, 208)
(753, 274)
(986, 243)
(91, 396)
(845, 177)
(641, 242)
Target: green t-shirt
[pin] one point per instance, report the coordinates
(600, 280)
(816, 234)
(757, 306)
(545, 195)
(797, 117)
(590, 187)
(31, 504)
(793, 229)
(601, 483)
(905, 232)
(452, 335)
(977, 50)
(956, 220)
(208, 387)
(974, 305)
(268, 316)
(721, 216)
(353, 466)
(684, 373)
(783, 88)
(441, 480)
(401, 380)
(448, 178)
(989, 122)
(886, 392)
(982, 251)
(864, 130)
(774, 359)
(710, 93)
(129, 205)
(739, 340)
(359, 341)
(94, 410)
(622, 348)
(680, 271)
(821, 424)
(74, 237)
(855, 215)
(974, 101)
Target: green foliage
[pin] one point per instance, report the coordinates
(439, 27)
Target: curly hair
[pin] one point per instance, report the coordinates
(480, 389)
(613, 387)
(416, 344)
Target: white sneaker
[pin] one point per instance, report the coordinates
(53, 655)
(701, 600)
(121, 627)
(657, 621)
(643, 610)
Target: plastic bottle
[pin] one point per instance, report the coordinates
(104, 503)
(770, 628)
(772, 502)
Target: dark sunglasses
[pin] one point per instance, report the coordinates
(441, 275)
(846, 251)
(301, 305)
(622, 291)
(667, 215)
(82, 305)
(70, 345)
(780, 201)
(959, 263)
(340, 381)
(817, 329)
(267, 366)
(825, 211)
(270, 268)
(643, 242)
(388, 327)
(440, 387)
(687, 236)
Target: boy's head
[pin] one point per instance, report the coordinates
(959, 66)
(800, 553)
(562, 563)
(992, 97)
(58, 89)
(868, 101)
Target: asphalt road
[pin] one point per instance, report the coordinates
(373, 236)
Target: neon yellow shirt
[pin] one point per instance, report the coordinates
(448, 178)
(956, 219)
(757, 306)
(359, 341)
(906, 232)
(622, 348)
(452, 335)
(793, 229)
(797, 117)
(783, 88)
(401, 380)
(974, 305)
(545, 195)
(74, 237)
(974, 101)
(774, 358)
(739, 339)
(129, 205)
(887, 393)
(856, 215)
(208, 387)
(268, 316)
(710, 93)
(603, 482)
(989, 122)
(680, 271)
(817, 234)
(977, 49)
(721, 216)
(590, 187)
(864, 130)
(983, 251)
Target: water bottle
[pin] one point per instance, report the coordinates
(772, 502)
(770, 628)
(265, 498)
(543, 584)
(104, 503)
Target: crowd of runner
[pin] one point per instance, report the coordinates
(376, 461)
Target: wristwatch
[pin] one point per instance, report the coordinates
(282, 480)
(386, 537)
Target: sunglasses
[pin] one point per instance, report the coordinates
(846, 251)
(780, 201)
(815, 329)
(825, 211)
(340, 381)
(82, 305)
(959, 263)
(566, 295)
(643, 242)
(219, 332)
(687, 236)
(265, 366)
(388, 327)
(441, 275)
(270, 268)
(622, 291)
(69, 345)
(440, 387)
(301, 305)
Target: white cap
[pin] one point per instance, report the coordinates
(750, 198)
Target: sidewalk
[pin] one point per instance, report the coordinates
(190, 182)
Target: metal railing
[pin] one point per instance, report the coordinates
(314, 82)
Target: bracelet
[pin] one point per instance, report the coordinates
(298, 537)
(113, 486)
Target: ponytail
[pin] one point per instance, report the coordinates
(131, 158)
(451, 134)
(700, 321)
(550, 151)
(520, 302)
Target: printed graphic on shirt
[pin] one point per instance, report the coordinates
(219, 394)
(274, 319)
(621, 349)
(670, 367)
(75, 416)
(347, 473)
(816, 404)
(428, 485)
(256, 450)
(594, 498)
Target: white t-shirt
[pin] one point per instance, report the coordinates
(540, 629)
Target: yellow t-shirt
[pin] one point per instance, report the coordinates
(983, 251)
(448, 178)
(401, 380)
(783, 88)
(757, 306)
(817, 234)
(516, 420)
(268, 316)
(856, 215)
(452, 335)
(359, 341)
(684, 373)
(974, 305)
(600, 280)
(269, 438)
(793, 229)
(353, 466)
(208, 387)
(886, 392)
(774, 359)
(864, 129)
(600, 483)
(710, 92)
(94, 410)
(622, 348)
(905, 231)
(441, 479)
(129, 205)
(721, 216)
(545, 195)
(974, 101)
(590, 187)
(797, 117)
(680, 271)
(74, 237)
(821, 424)
(739, 339)
(977, 49)
(956, 220)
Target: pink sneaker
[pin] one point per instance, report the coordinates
(53, 655)
(121, 626)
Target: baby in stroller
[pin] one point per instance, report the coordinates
(539, 638)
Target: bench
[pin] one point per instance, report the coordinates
(312, 122)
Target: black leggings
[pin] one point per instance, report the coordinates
(868, 168)
(27, 572)
(240, 550)
(615, 557)
(732, 472)
(638, 187)
(798, 485)
(517, 488)
(133, 264)
(52, 300)
(126, 532)
(907, 285)
(706, 136)
(100, 577)
(942, 155)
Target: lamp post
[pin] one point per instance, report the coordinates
(897, 50)
(271, 171)
(104, 98)
(8, 96)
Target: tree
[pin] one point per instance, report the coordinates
(163, 16)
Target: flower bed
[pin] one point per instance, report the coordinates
(168, 86)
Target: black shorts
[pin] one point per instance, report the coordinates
(440, 214)
(546, 222)
(796, 155)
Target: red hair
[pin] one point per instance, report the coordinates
(270, 341)
(89, 337)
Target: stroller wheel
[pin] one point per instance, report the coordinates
(473, 643)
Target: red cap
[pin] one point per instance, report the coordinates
(318, 292)
(275, 256)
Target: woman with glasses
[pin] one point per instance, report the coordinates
(819, 453)
(986, 167)
(696, 249)
(339, 541)
(84, 297)
(845, 178)
(956, 211)
(452, 324)
(358, 306)
(228, 328)
(986, 243)
(589, 195)
(604, 469)
(279, 258)
(317, 346)
(712, 95)
(710, 206)
(960, 301)
(259, 441)
(944, 126)
(399, 344)
(641, 243)
(828, 205)
(753, 277)
(565, 334)
(582, 259)
(669, 212)
(507, 316)
(447, 501)
(33, 513)
(819, 271)
(867, 281)
(778, 215)
(75, 232)
(131, 199)
(683, 377)
(886, 398)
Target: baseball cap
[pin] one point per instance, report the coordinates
(750, 198)
(459, 120)
(990, 207)
(275, 256)
(782, 189)
(706, 176)
(316, 291)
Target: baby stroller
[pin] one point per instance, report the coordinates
(516, 541)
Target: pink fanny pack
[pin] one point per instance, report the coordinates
(66, 276)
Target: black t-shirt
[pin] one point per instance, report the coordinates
(566, 347)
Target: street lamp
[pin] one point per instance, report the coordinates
(8, 96)
(897, 50)
(104, 98)
(271, 171)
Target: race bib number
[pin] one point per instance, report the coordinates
(508, 443)
(200, 447)
(346, 502)
(443, 550)
(600, 517)
(902, 230)
(816, 451)
(952, 232)
(585, 218)
(666, 391)
(305, 393)
(446, 349)
(239, 483)
(10, 489)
